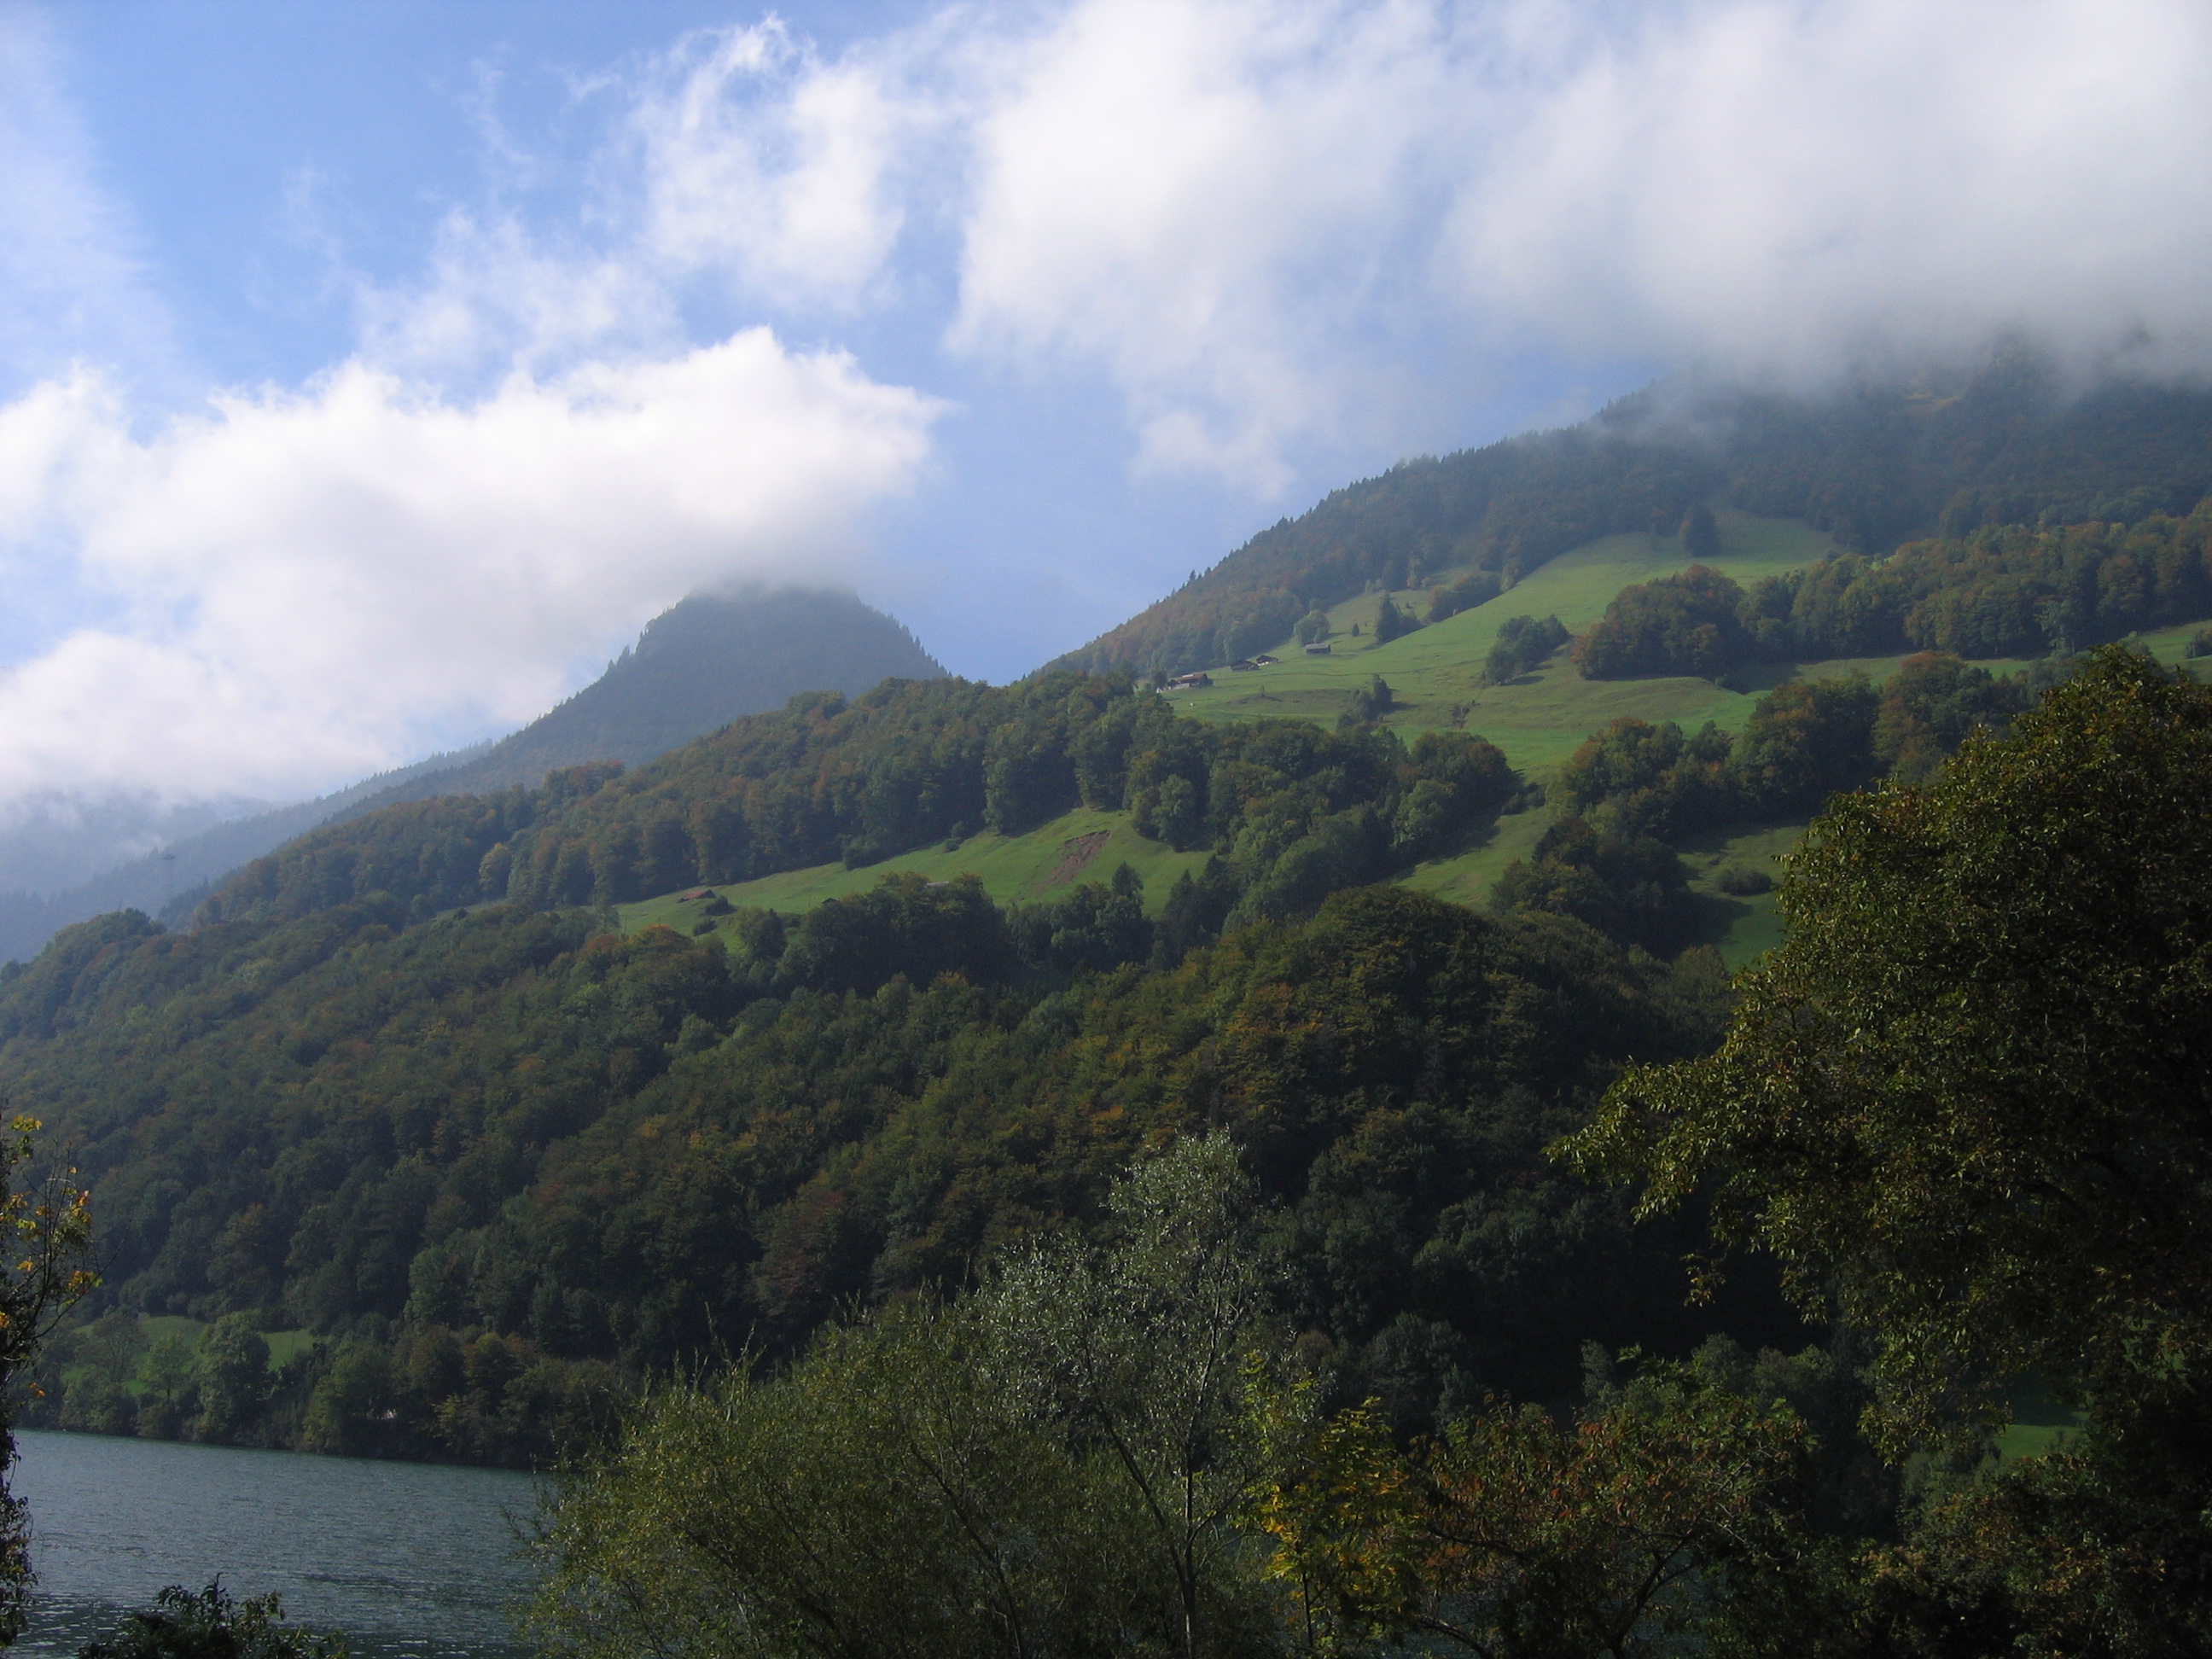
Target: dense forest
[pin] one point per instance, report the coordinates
(1963, 1104)
(2003, 590)
(1873, 466)
(507, 1163)
(470, 1149)
(1295, 1373)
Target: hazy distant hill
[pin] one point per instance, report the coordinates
(189, 864)
(55, 841)
(696, 667)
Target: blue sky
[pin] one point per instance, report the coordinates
(370, 372)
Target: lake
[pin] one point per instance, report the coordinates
(405, 1558)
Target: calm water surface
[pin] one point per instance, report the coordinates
(406, 1559)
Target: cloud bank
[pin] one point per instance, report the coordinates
(1278, 232)
(299, 583)
(1783, 189)
(1250, 215)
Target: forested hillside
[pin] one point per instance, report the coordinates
(507, 1166)
(1963, 1103)
(2003, 590)
(406, 1094)
(501, 1143)
(1873, 466)
(905, 764)
(501, 1129)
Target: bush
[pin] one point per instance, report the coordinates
(1632, 888)
(903, 925)
(1743, 882)
(1522, 644)
(1685, 624)
(1369, 706)
(1701, 535)
(1478, 587)
(1048, 1466)
(210, 1624)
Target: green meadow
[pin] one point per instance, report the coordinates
(1743, 927)
(1435, 673)
(1080, 846)
(284, 1347)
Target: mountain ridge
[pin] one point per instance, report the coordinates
(1873, 464)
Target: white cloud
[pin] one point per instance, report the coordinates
(737, 157)
(305, 585)
(1210, 201)
(496, 296)
(1780, 188)
(1260, 218)
(761, 160)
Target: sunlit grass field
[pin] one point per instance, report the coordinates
(1017, 869)
(1435, 673)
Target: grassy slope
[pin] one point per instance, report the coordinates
(1538, 721)
(1436, 675)
(1014, 869)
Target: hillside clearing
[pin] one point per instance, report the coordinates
(1436, 672)
(1080, 845)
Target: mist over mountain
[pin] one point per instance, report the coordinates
(698, 666)
(54, 843)
(189, 863)
(1875, 462)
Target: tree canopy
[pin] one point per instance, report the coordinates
(1969, 1099)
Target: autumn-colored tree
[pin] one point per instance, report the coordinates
(47, 1221)
(1621, 1534)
